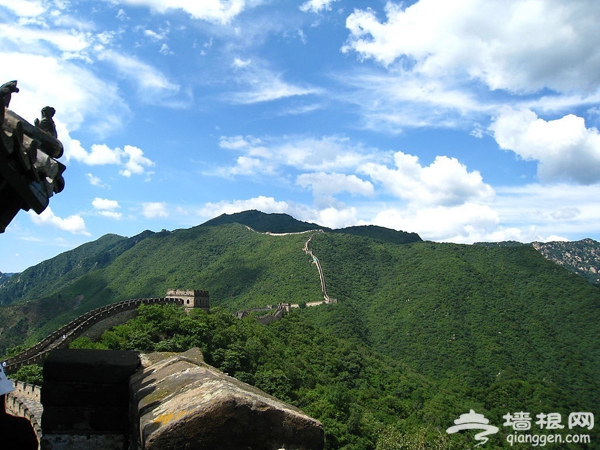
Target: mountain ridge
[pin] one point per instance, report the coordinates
(499, 326)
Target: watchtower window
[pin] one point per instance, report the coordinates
(188, 302)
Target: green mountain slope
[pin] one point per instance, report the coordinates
(263, 222)
(241, 268)
(38, 281)
(469, 314)
(495, 328)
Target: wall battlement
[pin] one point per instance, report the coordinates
(192, 298)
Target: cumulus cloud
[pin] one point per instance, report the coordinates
(106, 208)
(445, 182)
(73, 224)
(154, 210)
(131, 158)
(565, 149)
(520, 46)
(136, 161)
(331, 217)
(462, 223)
(105, 204)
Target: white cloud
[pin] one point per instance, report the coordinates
(165, 50)
(331, 217)
(392, 101)
(75, 92)
(565, 209)
(324, 154)
(100, 155)
(263, 85)
(73, 224)
(565, 149)
(241, 63)
(445, 182)
(152, 85)
(250, 166)
(131, 158)
(136, 161)
(330, 184)
(317, 6)
(94, 180)
(239, 142)
(153, 210)
(71, 43)
(105, 204)
(268, 155)
(154, 36)
(24, 8)
(215, 11)
(267, 90)
(261, 203)
(106, 208)
(463, 223)
(520, 46)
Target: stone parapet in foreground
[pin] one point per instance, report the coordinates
(180, 402)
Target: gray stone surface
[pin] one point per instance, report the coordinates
(184, 404)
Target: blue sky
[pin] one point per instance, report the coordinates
(463, 121)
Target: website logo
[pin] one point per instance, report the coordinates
(521, 423)
(474, 421)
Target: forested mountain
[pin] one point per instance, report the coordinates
(48, 276)
(4, 277)
(422, 332)
(581, 257)
(282, 223)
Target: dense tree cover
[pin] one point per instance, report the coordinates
(29, 374)
(496, 329)
(239, 267)
(365, 400)
(506, 326)
(263, 222)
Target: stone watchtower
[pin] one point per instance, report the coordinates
(191, 298)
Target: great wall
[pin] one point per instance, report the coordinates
(25, 400)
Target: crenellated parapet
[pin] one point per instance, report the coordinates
(62, 337)
(192, 298)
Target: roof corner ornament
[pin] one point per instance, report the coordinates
(29, 171)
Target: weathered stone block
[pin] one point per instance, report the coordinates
(183, 403)
(91, 366)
